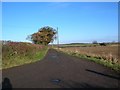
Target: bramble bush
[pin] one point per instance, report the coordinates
(18, 53)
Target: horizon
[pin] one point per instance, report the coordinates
(65, 43)
(78, 22)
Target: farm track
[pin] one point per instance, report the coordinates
(58, 70)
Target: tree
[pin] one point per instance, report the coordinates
(102, 44)
(44, 36)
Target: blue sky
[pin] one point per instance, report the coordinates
(77, 21)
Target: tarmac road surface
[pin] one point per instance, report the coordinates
(59, 70)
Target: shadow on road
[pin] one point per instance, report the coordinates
(83, 85)
(110, 76)
(6, 84)
(74, 84)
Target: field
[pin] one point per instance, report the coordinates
(19, 53)
(106, 55)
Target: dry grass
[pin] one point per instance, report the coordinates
(109, 53)
(104, 55)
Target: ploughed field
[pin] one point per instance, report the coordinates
(105, 55)
(102, 52)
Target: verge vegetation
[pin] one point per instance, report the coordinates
(20, 53)
(105, 55)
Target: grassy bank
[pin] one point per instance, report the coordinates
(19, 53)
(108, 61)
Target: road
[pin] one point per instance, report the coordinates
(58, 70)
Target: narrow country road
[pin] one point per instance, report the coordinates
(58, 70)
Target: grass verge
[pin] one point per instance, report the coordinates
(113, 66)
(17, 60)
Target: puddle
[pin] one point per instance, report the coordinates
(56, 81)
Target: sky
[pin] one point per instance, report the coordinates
(77, 22)
(60, 0)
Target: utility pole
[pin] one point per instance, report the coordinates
(57, 38)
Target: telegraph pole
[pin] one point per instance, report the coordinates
(57, 38)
